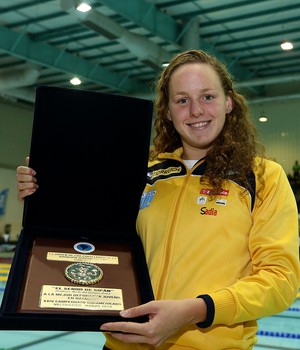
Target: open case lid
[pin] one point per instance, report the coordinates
(90, 152)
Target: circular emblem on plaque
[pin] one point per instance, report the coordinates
(84, 247)
(83, 273)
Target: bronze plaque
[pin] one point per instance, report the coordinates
(61, 278)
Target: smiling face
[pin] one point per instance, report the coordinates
(197, 107)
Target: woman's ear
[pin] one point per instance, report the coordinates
(169, 116)
(229, 104)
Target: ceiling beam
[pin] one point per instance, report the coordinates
(266, 99)
(164, 26)
(147, 16)
(139, 45)
(22, 46)
(269, 81)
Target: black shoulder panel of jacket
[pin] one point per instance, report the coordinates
(251, 179)
(164, 170)
(252, 190)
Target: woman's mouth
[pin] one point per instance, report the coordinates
(199, 125)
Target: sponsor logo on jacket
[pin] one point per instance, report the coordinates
(221, 201)
(202, 200)
(146, 199)
(164, 172)
(210, 211)
(207, 191)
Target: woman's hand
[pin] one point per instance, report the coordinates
(26, 181)
(166, 317)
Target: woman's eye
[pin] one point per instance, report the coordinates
(208, 97)
(183, 101)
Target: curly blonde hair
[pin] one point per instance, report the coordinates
(234, 150)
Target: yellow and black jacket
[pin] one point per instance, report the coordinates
(242, 256)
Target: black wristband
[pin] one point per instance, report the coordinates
(210, 311)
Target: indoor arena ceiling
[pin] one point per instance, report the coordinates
(119, 45)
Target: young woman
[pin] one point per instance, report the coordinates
(218, 221)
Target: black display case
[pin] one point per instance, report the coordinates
(90, 153)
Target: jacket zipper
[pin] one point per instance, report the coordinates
(169, 240)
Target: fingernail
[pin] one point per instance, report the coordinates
(124, 313)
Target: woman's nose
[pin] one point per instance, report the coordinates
(196, 109)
